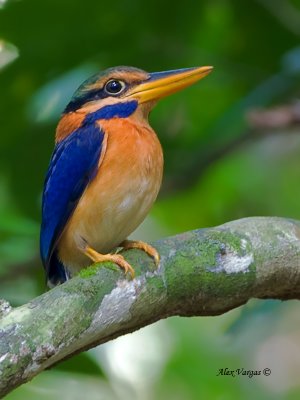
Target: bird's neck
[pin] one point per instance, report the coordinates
(68, 124)
(135, 124)
(74, 120)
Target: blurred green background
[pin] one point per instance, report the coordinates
(217, 168)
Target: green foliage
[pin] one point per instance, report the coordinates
(214, 172)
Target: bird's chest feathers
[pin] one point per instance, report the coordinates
(133, 160)
(127, 182)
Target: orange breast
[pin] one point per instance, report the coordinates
(121, 194)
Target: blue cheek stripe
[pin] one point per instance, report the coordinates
(118, 110)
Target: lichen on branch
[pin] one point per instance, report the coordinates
(202, 272)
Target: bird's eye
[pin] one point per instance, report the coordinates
(114, 86)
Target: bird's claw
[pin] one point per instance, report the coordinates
(147, 248)
(122, 263)
(115, 258)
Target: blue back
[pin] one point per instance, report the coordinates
(73, 165)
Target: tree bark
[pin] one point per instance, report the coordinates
(202, 272)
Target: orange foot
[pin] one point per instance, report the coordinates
(115, 258)
(137, 244)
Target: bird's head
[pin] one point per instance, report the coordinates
(121, 91)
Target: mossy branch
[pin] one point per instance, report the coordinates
(203, 272)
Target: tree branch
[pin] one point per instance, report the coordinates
(203, 272)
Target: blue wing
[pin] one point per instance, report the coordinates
(73, 165)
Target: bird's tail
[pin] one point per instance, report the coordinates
(57, 273)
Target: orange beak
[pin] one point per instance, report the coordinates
(161, 84)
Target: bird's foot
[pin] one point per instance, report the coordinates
(137, 244)
(115, 258)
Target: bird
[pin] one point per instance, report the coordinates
(106, 169)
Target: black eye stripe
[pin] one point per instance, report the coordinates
(97, 94)
(78, 102)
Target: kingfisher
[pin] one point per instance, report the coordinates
(106, 169)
